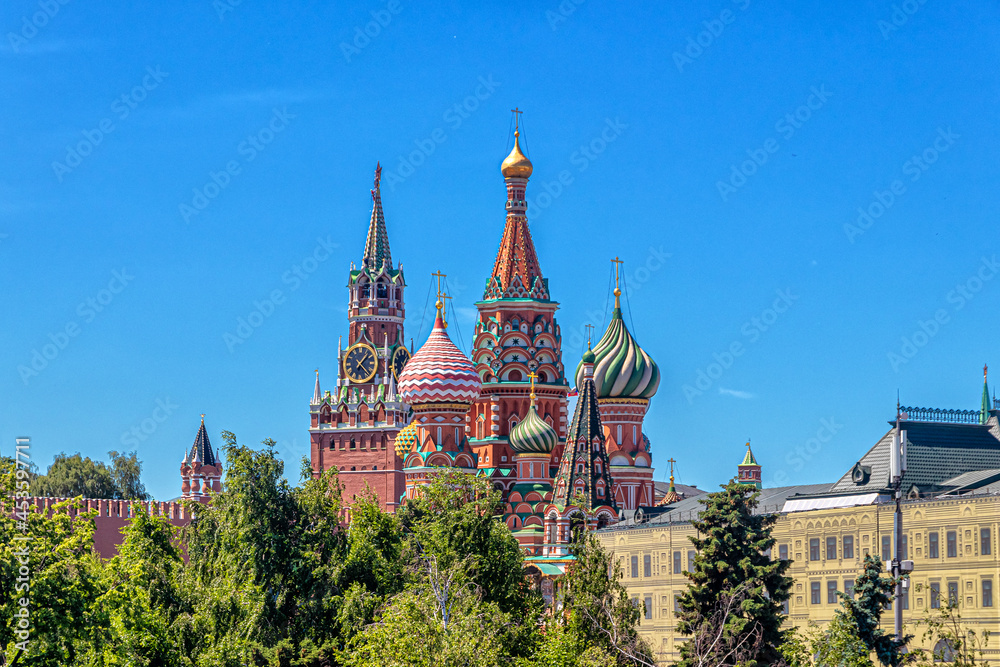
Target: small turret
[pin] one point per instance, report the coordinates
(749, 469)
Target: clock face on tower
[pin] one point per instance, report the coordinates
(360, 363)
(399, 359)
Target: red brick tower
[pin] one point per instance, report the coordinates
(353, 427)
(201, 471)
(516, 334)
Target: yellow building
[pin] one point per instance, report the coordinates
(951, 520)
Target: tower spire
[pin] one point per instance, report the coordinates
(317, 395)
(984, 412)
(516, 271)
(377, 243)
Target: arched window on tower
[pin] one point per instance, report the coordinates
(382, 291)
(440, 441)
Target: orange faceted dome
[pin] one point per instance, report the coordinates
(516, 164)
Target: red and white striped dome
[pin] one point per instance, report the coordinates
(439, 372)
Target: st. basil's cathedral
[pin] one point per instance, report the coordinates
(394, 417)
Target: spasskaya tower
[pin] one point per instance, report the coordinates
(352, 427)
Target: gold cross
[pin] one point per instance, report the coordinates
(532, 375)
(671, 462)
(617, 262)
(590, 334)
(444, 309)
(439, 277)
(517, 117)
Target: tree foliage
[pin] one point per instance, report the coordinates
(269, 574)
(732, 608)
(862, 613)
(76, 475)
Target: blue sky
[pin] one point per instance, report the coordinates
(722, 149)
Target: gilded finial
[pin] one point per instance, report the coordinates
(202, 418)
(618, 292)
(985, 368)
(531, 376)
(439, 304)
(590, 334)
(516, 164)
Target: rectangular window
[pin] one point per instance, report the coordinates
(677, 603)
(987, 592)
(904, 547)
(691, 560)
(906, 598)
(814, 592)
(784, 607)
(952, 538)
(814, 548)
(831, 591)
(848, 547)
(677, 562)
(831, 548)
(932, 545)
(783, 551)
(985, 542)
(635, 567)
(935, 595)
(849, 588)
(952, 592)
(886, 547)
(648, 601)
(647, 566)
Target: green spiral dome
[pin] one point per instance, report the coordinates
(533, 435)
(622, 369)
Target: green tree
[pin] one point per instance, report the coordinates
(72, 476)
(732, 607)
(952, 642)
(263, 565)
(862, 613)
(126, 475)
(455, 521)
(598, 611)
(441, 621)
(141, 599)
(47, 561)
(840, 645)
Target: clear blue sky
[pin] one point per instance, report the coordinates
(323, 102)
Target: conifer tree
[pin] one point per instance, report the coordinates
(732, 607)
(873, 593)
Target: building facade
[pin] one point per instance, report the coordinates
(826, 530)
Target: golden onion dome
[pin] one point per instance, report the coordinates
(516, 164)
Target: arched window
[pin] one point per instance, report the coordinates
(440, 442)
(382, 291)
(944, 651)
(514, 376)
(542, 377)
(354, 445)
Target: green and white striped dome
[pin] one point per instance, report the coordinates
(622, 369)
(533, 435)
